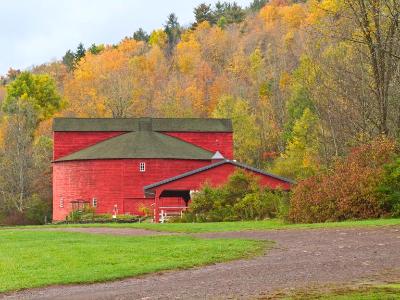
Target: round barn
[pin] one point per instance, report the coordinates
(123, 165)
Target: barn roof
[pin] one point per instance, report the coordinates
(214, 165)
(140, 144)
(133, 124)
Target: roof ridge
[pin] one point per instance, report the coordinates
(132, 124)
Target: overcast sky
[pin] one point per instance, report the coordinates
(37, 31)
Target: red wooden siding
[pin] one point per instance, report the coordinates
(111, 181)
(134, 205)
(69, 142)
(211, 141)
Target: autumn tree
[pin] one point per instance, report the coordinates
(377, 25)
(16, 158)
(301, 157)
(25, 177)
(246, 133)
(37, 90)
(357, 68)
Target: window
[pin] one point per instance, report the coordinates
(142, 167)
(94, 202)
(61, 202)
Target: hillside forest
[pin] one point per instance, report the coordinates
(312, 88)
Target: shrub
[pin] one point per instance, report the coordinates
(145, 210)
(261, 205)
(241, 198)
(85, 215)
(389, 189)
(347, 191)
(88, 215)
(38, 211)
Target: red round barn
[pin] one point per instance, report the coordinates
(122, 165)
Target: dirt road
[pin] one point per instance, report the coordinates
(300, 258)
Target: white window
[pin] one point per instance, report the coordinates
(94, 202)
(142, 167)
(61, 202)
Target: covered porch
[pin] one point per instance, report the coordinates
(169, 203)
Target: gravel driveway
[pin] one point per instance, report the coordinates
(300, 258)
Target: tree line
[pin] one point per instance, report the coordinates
(303, 81)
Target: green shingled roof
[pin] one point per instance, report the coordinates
(133, 124)
(140, 144)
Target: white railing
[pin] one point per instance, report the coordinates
(167, 212)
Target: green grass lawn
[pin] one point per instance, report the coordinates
(234, 226)
(259, 225)
(39, 258)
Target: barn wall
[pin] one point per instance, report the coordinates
(111, 182)
(69, 142)
(211, 141)
(135, 205)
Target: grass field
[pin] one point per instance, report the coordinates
(39, 258)
(234, 226)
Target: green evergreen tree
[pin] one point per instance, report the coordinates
(95, 49)
(80, 52)
(173, 31)
(203, 12)
(69, 60)
(256, 5)
(141, 35)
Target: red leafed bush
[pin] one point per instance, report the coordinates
(348, 190)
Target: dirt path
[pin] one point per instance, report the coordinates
(300, 258)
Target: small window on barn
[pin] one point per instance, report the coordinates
(94, 202)
(142, 167)
(61, 202)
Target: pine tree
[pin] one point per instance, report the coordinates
(203, 12)
(173, 31)
(69, 60)
(256, 5)
(141, 35)
(80, 52)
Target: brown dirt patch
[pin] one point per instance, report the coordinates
(301, 258)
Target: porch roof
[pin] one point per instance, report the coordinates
(148, 188)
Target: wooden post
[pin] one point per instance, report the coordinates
(156, 207)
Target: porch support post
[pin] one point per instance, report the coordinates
(156, 207)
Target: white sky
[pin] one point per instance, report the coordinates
(37, 31)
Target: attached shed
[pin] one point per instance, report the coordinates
(215, 174)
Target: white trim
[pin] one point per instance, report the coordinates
(142, 167)
(94, 202)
